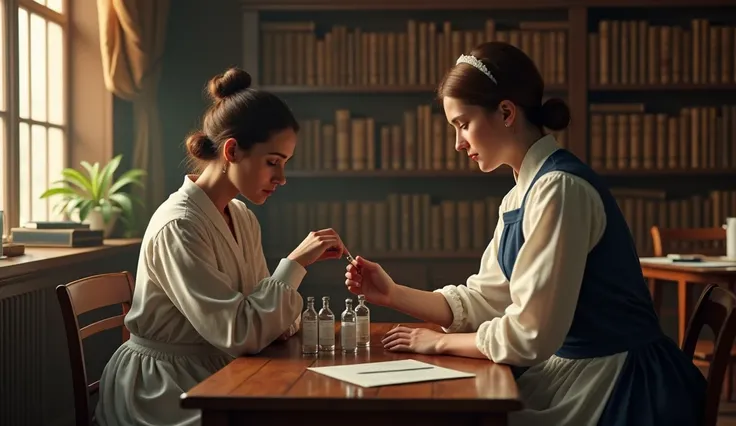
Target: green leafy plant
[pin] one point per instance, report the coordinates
(96, 189)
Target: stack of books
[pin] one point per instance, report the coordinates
(56, 234)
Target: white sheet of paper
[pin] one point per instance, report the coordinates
(701, 264)
(385, 373)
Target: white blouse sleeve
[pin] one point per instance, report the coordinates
(485, 294)
(563, 220)
(186, 268)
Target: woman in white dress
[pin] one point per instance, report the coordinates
(203, 293)
(559, 296)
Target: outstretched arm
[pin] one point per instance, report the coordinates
(564, 220)
(424, 305)
(185, 266)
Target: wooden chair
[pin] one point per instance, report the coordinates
(82, 296)
(715, 309)
(688, 241)
(703, 241)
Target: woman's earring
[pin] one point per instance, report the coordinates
(506, 124)
(224, 168)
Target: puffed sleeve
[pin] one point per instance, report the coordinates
(286, 268)
(484, 295)
(563, 220)
(186, 268)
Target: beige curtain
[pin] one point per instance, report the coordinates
(132, 34)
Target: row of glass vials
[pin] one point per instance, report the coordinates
(318, 328)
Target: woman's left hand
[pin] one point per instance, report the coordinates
(417, 340)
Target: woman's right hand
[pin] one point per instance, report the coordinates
(369, 279)
(319, 245)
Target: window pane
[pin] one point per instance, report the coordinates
(56, 74)
(3, 177)
(56, 164)
(3, 171)
(39, 174)
(23, 66)
(38, 68)
(56, 5)
(24, 139)
(43, 2)
(3, 42)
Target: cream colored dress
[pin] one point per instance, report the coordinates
(202, 297)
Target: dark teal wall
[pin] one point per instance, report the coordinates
(203, 39)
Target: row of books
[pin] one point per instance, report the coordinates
(424, 141)
(401, 222)
(625, 136)
(637, 52)
(621, 52)
(418, 223)
(293, 54)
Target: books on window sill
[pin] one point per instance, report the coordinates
(56, 234)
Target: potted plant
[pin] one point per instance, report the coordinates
(96, 196)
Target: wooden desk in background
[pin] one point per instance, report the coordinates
(686, 274)
(275, 388)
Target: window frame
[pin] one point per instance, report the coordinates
(10, 76)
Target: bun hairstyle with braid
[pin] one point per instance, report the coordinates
(497, 71)
(237, 111)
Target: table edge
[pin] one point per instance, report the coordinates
(219, 403)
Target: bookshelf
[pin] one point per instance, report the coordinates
(651, 99)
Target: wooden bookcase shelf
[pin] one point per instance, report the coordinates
(504, 172)
(643, 173)
(472, 5)
(660, 87)
(414, 255)
(694, 116)
(377, 89)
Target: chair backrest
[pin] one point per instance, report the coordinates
(707, 241)
(82, 296)
(715, 309)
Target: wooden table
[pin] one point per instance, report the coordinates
(275, 388)
(684, 274)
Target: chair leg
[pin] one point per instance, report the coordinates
(729, 381)
(727, 387)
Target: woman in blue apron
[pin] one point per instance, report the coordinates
(559, 295)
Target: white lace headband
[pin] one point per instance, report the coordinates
(472, 60)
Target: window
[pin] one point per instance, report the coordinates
(34, 109)
(3, 112)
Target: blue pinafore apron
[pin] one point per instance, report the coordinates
(658, 384)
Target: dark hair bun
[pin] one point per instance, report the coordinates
(231, 82)
(555, 114)
(201, 147)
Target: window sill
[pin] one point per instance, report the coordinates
(37, 259)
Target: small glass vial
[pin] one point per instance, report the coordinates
(363, 321)
(326, 326)
(310, 333)
(347, 328)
